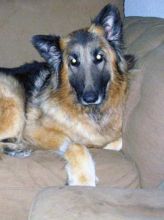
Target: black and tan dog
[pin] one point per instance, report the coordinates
(72, 101)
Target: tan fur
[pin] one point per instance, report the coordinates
(96, 29)
(11, 108)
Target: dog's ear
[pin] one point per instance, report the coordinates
(109, 18)
(109, 21)
(48, 47)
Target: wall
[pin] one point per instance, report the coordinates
(153, 8)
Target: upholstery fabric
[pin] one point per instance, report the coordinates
(22, 179)
(98, 203)
(144, 117)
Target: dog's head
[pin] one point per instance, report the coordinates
(91, 57)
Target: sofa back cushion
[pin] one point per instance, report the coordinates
(144, 118)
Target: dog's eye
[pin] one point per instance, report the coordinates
(99, 58)
(74, 62)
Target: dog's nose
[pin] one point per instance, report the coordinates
(90, 97)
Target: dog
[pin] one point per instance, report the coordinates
(72, 101)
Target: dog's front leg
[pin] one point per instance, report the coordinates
(80, 166)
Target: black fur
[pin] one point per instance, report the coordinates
(28, 75)
(81, 37)
(49, 48)
(77, 82)
(109, 19)
(130, 60)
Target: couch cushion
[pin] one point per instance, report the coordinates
(21, 179)
(144, 118)
(19, 20)
(97, 203)
(15, 202)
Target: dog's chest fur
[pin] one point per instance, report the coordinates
(92, 129)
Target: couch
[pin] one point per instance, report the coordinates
(131, 182)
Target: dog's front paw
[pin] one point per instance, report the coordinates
(19, 150)
(80, 166)
(19, 153)
(80, 178)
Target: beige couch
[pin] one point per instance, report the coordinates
(130, 184)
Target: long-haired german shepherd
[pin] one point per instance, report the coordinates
(72, 101)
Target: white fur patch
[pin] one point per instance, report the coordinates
(63, 148)
(116, 145)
